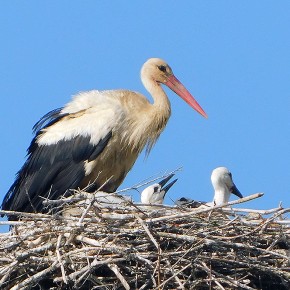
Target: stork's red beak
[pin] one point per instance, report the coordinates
(175, 85)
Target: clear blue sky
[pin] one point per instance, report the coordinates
(233, 56)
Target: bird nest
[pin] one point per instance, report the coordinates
(97, 245)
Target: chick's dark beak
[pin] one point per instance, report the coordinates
(235, 191)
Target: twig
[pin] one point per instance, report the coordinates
(11, 223)
(209, 272)
(89, 268)
(40, 216)
(91, 202)
(24, 255)
(118, 274)
(147, 231)
(173, 276)
(7, 271)
(146, 182)
(154, 242)
(96, 243)
(59, 259)
(226, 278)
(248, 210)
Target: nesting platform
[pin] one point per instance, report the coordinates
(132, 246)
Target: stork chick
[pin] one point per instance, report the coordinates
(222, 182)
(223, 185)
(155, 193)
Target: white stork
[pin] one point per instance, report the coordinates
(155, 193)
(94, 140)
(222, 182)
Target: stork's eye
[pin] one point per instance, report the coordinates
(156, 188)
(162, 68)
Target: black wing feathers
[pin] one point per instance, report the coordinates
(49, 119)
(84, 150)
(98, 149)
(51, 170)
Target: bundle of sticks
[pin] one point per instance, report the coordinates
(96, 244)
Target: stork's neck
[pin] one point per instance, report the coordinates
(160, 99)
(221, 195)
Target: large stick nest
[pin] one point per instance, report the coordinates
(129, 246)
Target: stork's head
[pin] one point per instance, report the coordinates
(157, 71)
(155, 193)
(223, 185)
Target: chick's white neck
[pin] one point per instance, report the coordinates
(221, 195)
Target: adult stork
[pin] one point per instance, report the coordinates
(94, 140)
